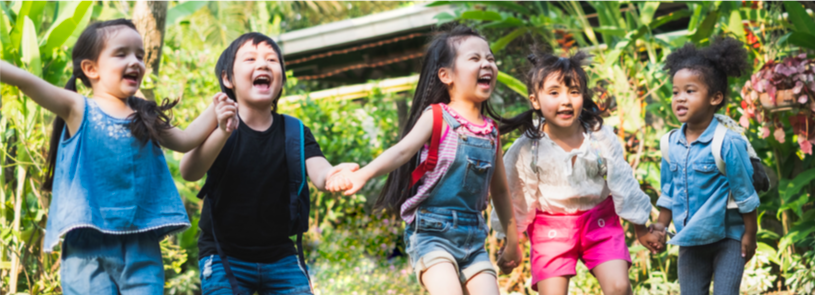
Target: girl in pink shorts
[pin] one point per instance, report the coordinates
(560, 175)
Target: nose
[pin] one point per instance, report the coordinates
(262, 65)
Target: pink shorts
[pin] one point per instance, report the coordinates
(558, 240)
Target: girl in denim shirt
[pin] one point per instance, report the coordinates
(113, 196)
(714, 242)
(445, 229)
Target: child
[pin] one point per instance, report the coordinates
(113, 196)
(561, 172)
(248, 184)
(445, 230)
(713, 241)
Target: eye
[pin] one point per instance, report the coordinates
(675, 92)
(553, 93)
(250, 59)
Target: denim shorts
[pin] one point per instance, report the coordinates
(280, 277)
(98, 263)
(440, 235)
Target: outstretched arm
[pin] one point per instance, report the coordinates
(68, 105)
(197, 162)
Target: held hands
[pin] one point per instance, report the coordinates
(337, 178)
(509, 257)
(226, 111)
(349, 181)
(652, 237)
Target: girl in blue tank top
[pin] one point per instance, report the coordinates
(113, 196)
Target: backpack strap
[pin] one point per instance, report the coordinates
(433, 154)
(664, 144)
(230, 276)
(298, 207)
(716, 149)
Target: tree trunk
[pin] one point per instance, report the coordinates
(150, 19)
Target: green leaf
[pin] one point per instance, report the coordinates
(614, 31)
(514, 84)
(735, 24)
(30, 50)
(647, 11)
(17, 32)
(509, 22)
(5, 40)
(669, 18)
(795, 186)
(753, 15)
(502, 43)
(802, 39)
(799, 18)
(444, 17)
(481, 15)
(61, 32)
(768, 251)
(705, 29)
(182, 10)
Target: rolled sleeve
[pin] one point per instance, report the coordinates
(740, 174)
(665, 198)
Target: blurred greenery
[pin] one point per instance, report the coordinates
(352, 249)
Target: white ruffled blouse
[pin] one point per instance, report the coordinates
(599, 170)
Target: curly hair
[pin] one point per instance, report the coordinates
(725, 57)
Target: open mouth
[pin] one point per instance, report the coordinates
(565, 114)
(262, 82)
(132, 77)
(681, 110)
(484, 80)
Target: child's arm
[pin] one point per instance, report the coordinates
(320, 170)
(748, 240)
(195, 134)
(395, 156)
(664, 202)
(740, 179)
(68, 105)
(195, 164)
(512, 256)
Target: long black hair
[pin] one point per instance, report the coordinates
(148, 120)
(226, 62)
(570, 71)
(725, 57)
(441, 53)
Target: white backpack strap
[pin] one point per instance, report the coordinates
(716, 147)
(664, 144)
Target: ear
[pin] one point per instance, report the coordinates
(534, 100)
(89, 68)
(225, 78)
(446, 76)
(718, 98)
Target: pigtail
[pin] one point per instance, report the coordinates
(149, 119)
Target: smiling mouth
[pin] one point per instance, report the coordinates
(484, 81)
(262, 82)
(681, 110)
(131, 77)
(565, 113)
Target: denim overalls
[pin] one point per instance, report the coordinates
(449, 226)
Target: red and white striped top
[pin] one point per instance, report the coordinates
(447, 153)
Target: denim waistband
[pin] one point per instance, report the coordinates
(459, 217)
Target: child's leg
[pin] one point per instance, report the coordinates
(695, 269)
(483, 283)
(215, 282)
(442, 278)
(143, 268)
(284, 276)
(613, 277)
(554, 286)
(728, 267)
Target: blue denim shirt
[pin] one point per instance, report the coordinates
(107, 180)
(696, 193)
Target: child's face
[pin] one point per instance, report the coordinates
(120, 67)
(691, 101)
(257, 75)
(474, 71)
(561, 105)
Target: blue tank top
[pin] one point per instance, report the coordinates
(107, 180)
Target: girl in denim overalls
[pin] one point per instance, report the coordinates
(113, 196)
(445, 229)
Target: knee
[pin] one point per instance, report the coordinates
(622, 287)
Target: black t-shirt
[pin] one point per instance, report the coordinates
(251, 198)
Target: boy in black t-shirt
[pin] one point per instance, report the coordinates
(251, 196)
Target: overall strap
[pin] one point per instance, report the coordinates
(433, 154)
(224, 260)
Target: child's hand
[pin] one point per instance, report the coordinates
(650, 240)
(337, 179)
(356, 181)
(509, 257)
(748, 246)
(659, 230)
(226, 111)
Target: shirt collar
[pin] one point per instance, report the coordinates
(706, 136)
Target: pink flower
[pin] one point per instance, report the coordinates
(786, 70)
(744, 121)
(806, 145)
(765, 132)
(779, 135)
(760, 85)
(798, 86)
(803, 99)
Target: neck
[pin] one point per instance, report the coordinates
(695, 129)
(256, 118)
(469, 109)
(563, 133)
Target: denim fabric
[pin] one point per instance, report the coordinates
(696, 192)
(450, 219)
(721, 261)
(106, 179)
(98, 263)
(281, 277)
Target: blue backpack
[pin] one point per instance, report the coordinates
(299, 202)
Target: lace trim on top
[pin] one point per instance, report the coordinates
(485, 129)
